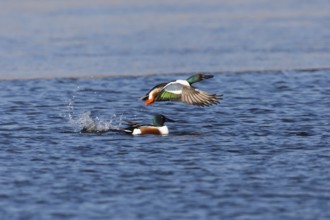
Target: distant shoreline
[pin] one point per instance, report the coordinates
(107, 38)
(124, 75)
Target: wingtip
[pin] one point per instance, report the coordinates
(214, 99)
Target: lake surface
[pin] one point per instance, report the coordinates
(49, 39)
(263, 153)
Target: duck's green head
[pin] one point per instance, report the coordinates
(159, 120)
(198, 77)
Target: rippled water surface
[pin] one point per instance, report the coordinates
(263, 153)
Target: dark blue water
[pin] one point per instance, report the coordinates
(263, 153)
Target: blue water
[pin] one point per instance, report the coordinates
(263, 153)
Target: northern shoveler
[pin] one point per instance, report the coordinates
(158, 126)
(182, 90)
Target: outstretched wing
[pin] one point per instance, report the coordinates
(193, 96)
(155, 89)
(177, 92)
(171, 92)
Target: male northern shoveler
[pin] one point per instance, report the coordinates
(182, 90)
(158, 126)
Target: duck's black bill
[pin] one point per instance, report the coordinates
(169, 120)
(207, 76)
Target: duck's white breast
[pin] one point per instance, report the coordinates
(163, 130)
(183, 82)
(136, 131)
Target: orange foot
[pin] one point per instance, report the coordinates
(149, 101)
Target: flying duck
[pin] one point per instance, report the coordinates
(183, 91)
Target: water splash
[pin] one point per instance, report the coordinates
(85, 123)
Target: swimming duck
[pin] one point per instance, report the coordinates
(158, 126)
(182, 90)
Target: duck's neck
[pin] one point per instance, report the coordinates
(195, 78)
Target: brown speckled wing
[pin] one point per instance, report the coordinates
(193, 96)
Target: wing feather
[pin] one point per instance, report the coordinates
(175, 91)
(193, 96)
(171, 92)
